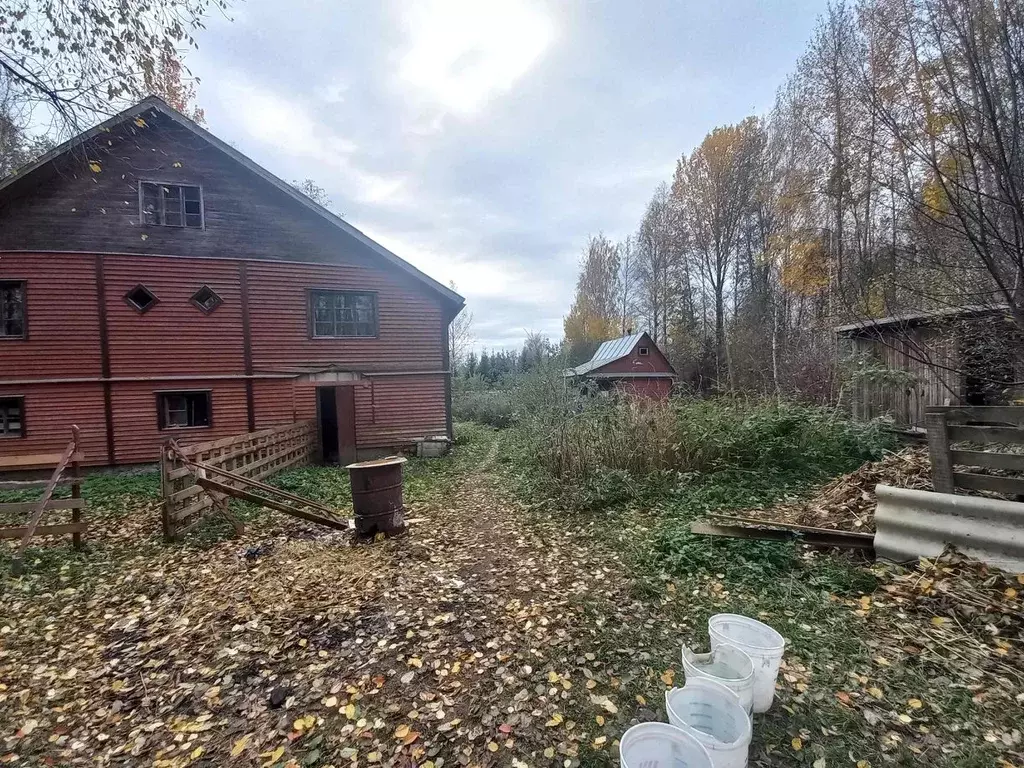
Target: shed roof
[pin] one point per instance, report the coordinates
(156, 104)
(609, 352)
(915, 318)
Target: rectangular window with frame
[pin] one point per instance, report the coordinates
(12, 417)
(12, 309)
(337, 314)
(171, 205)
(179, 410)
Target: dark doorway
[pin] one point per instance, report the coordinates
(327, 410)
(336, 409)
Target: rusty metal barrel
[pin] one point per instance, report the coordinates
(377, 496)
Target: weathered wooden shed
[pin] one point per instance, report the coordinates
(903, 364)
(156, 283)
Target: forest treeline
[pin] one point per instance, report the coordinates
(887, 178)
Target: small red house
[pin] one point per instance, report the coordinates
(155, 283)
(631, 364)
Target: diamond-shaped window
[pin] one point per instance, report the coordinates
(141, 298)
(206, 299)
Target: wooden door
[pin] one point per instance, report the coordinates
(346, 408)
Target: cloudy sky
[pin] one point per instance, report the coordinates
(484, 140)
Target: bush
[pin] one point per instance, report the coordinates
(493, 407)
(602, 451)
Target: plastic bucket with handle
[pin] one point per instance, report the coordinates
(760, 642)
(712, 713)
(726, 665)
(657, 745)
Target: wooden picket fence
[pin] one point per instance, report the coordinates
(986, 426)
(66, 471)
(254, 455)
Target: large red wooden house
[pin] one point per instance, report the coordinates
(155, 283)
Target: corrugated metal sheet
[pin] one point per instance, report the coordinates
(608, 352)
(910, 524)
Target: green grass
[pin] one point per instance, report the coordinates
(757, 457)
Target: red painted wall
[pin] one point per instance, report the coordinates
(634, 362)
(409, 338)
(657, 389)
(175, 346)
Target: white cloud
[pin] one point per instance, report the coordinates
(463, 52)
(289, 128)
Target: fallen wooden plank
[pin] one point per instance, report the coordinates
(788, 526)
(43, 530)
(840, 539)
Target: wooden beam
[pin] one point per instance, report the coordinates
(1010, 485)
(978, 434)
(108, 398)
(41, 505)
(841, 539)
(21, 507)
(938, 452)
(27, 485)
(1005, 414)
(991, 459)
(789, 526)
(238, 493)
(37, 460)
(250, 398)
(44, 530)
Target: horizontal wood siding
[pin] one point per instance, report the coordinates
(173, 337)
(274, 402)
(50, 410)
(395, 410)
(410, 336)
(61, 314)
(138, 438)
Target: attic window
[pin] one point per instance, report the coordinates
(141, 299)
(643, 351)
(171, 205)
(206, 299)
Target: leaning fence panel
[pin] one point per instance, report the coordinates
(254, 455)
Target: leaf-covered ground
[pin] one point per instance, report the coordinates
(495, 633)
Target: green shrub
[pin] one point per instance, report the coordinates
(492, 407)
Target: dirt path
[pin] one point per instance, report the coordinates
(481, 638)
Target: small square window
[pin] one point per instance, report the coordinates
(141, 298)
(178, 410)
(12, 309)
(206, 299)
(171, 205)
(643, 351)
(12, 417)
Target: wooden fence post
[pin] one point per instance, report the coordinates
(938, 451)
(76, 488)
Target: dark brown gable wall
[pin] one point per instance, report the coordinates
(72, 208)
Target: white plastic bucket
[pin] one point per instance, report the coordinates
(657, 745)
(713, 714)
(727, 665)
(760, 642)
